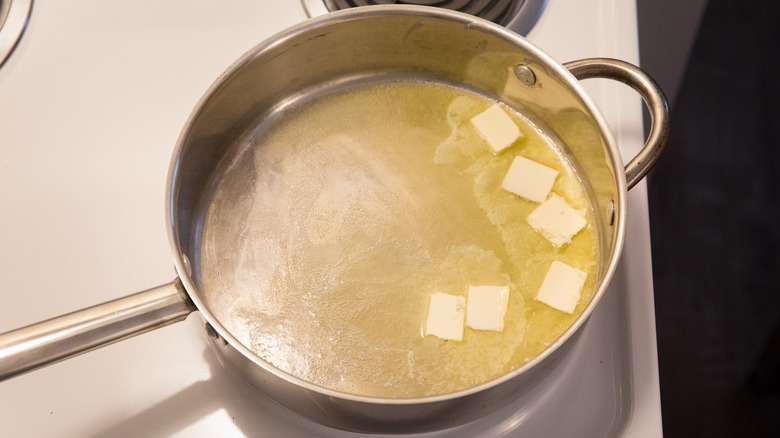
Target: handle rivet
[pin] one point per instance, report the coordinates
(611, 212)
(211, 333)
(525, 74)
(187, 265)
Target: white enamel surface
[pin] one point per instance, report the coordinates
(91, 103)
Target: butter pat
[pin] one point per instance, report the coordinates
(445, 316)
(557, 221)
(486, 307)
(529, 179)
(496, 127)
(561, 287)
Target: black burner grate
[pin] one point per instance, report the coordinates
(497, 11)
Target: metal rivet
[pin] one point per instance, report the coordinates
(187, 265)
(211, 333)
(611, 212)
(525, 74)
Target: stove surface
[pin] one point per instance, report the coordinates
(91, 103)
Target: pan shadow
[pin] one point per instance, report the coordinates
(230, 395)
(223, 393)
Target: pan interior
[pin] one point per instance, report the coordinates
(331, 222)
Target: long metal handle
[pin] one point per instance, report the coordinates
(654, 98)
(37, 345)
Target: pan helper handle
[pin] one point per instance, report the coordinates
(38, 345)
(654, 98)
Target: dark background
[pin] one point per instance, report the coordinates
(715, 226)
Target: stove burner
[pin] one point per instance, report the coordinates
(522, 13)
(497, 11)
(13, 20)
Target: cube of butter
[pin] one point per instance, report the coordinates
(445, 316)
(486, 307)
(561, 287)
(556, 220)
(529, 179)
(496, 127)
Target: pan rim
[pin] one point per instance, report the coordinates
(181, 262)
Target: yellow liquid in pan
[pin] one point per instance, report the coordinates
(326, 236)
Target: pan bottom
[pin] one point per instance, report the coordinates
(330, 228)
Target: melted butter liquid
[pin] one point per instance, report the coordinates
(327, 234)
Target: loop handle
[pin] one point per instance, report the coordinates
(636, 78)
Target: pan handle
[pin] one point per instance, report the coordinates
(654, 98)
(38, 345)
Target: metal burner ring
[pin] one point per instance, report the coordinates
(518, 15)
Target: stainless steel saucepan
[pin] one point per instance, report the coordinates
(387, 41)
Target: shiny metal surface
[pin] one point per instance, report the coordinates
(386, 41)
(13, 20)
(37, 345)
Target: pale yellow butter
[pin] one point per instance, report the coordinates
(529, 179)
(557, 221)
(561, 287)
(445, 316)
(486, 307)
(496, 127)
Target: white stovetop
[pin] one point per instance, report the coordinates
(91, 103)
